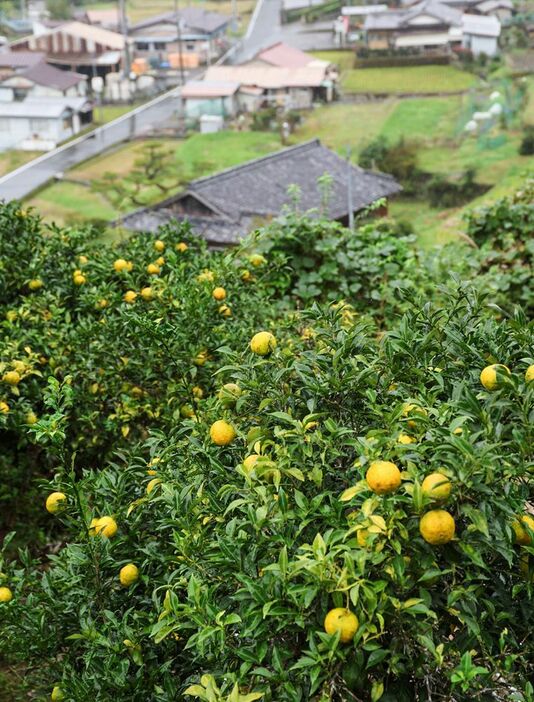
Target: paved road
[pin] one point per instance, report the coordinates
(264, 29)
(24, 180)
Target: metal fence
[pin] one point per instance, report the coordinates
(24, 180)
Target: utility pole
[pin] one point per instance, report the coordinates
(179, 37)
(123, 23)
(349, 189)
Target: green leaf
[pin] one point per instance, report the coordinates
(377, 690)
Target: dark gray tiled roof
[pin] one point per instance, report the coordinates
(259, 189)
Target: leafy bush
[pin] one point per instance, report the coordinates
(239, 559)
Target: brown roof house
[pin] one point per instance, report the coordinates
(79, 47)
(225, 207)
(202, 34)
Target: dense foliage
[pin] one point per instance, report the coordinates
(112, 365)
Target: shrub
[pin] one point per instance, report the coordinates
(526, 148)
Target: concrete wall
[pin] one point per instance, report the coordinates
(481, 45)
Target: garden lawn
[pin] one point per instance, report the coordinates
(412, 79)
(424, 119)
(66, 203)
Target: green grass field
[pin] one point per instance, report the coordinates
(433, 122)
(138, 10)
(412, 79)
(10, 160)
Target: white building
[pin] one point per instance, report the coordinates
(39, 125)
(43, 80)
(481, 34)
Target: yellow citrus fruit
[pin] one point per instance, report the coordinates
(31, 418)
(410, 409)
(491, 377)
(57, 694)
(256, 260)
(128, 574)
(342, 620)
(5, 594)
(436, 486)
(83, 260)
(4, 407)
(219, 294)
(103, 526)
(246, 275)
(201, 358)
(406, 439)
(55, 502)
(521, 534)
(152, 484)
(222, 433)
(11, 377)
(160, 261)
(206, 276)
(437, 527)
(129, 296)
(225, 311)
(197, 392)
(35, 284)
(159, 245)
(529, 374)
(121, 265)
(147, 294)
(152, 269)
(383, 477)
(79, 279)
(262, 343)
(229, 394)
(102, 303)
(181, 246)
(250, 462)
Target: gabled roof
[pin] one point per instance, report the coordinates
(490, 5)
(259, 188)
(20, 59)
(51, 77)
(192, 17)
(268, 77)
(285, 56)
(480, 25)
(400, 19)
(112, 40)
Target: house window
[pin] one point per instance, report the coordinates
(142, 45)
(39, 126)
(190, 46)
(160, 46)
